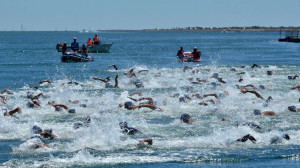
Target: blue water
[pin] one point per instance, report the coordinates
(29, 57)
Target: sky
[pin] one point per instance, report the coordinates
(144, 14)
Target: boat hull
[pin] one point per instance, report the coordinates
(75, 57)
(101, 48)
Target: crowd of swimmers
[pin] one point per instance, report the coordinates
(137, 101)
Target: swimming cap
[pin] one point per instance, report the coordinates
(286, 136)
(237, 86)
(270, 72)
(214, 83)
(88, 119)
(82, 105)
(36, 129)
(109, 85)
(290, 77)
(257, 112)
(177, 95)
(216, 75)
(262, 87)
(275, 139)
(77, 125)
(30, 96)
(71, 110)
(138, 84)
(30, 104)
(185, 117)
(221, 95)
(108, 78)
(292, 108)
(36, 136)
(58, 108)
(128, 105)
(123, 124)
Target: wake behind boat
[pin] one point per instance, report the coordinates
(75, 57)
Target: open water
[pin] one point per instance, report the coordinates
(29, 57)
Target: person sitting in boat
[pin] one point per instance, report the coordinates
(84, 50)
(180, 54)
(75, 45)
(90, 42)
(64, 48)
(96, 40)
(196, 54)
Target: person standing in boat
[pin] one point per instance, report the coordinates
(180, 54)
(90, 42)
(75, 45)
(196, 54)
(96, 40)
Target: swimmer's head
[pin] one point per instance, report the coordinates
(71, 110)
(30, 104)
(262, 87)
(270, 72)
(286, 136)
(215, 75)
(290, 77)
(177, 95)
(139, 84)
(128, 105)
(237, 86)
(58, 108)
(37, 136)
(108, 78)
(185, 117)
(221, 95)
(30, 96)
(257, 112)
(109, 85)
(123, 124)
(36, 129)
(82, 105)
(292, 108)
(214, 84)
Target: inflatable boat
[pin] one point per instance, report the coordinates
(188, 57)
(101, 48)
(75, 57)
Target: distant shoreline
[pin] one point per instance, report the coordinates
(222, 29)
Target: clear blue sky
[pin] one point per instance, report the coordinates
(143, 14)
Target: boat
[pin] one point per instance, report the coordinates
(290, 36)
(101, 48)
(75, 57)
(188, 57)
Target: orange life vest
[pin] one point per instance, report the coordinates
(90, 42)
(96, 38)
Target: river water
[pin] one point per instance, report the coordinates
(29, 57)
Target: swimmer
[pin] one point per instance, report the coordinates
(12, 112)
(113, 65)
(6, 91)
(185, 98)
(32, 97)
(278, 139)
(293, 77)
(293, 109)
(33, 104)
(296, 87)
(186, 68)
(86, 123)
(241, 79)
(47, 133)
(3, 99)
(251, 125)
(130, 73)
(253, 92)
(45, 81)
(143, 70)
(128, 130)
(74, 101)
(265, 113)
(255, 65)
(59, 107)
(130, 106)
(138, 83)
(225, 119)
(221, 80)
(246, 138)
(107, 82)
(148, 140)
(205, 104)
(186, 118)
(270, 73)
(36, 142)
